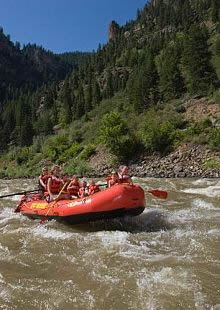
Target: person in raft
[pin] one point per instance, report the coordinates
(113, 179)
(55, 185)
(73, 187)
(84, 190)
(42, 181)
(123, 175)
(93, 188)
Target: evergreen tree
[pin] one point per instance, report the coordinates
(96, 94)
(143, 85)
(24, 129)
(88, 97)
(109, 90)
(196, 65)
(168, 61)
(80, 103)
(65, 102)
(8, 123)
(215, 11)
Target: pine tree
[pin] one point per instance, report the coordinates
(96, 94)
(143, 84)
(215, 11)
(196, 65)
(168, 61)
(88, 97)
(65, 103)
(24, 129)
(109, 90)
(80, 103)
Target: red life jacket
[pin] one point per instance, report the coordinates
(74, 188)
(44, 179)
(55, 185)
(93, 188)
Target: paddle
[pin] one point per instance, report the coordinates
(158, 193)
(20, 193)
(53, 204)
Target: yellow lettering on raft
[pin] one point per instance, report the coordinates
(39, 205)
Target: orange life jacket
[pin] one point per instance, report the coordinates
(55, 185)
(93, 188)
(74, 188)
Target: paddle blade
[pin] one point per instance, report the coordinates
(158, 193)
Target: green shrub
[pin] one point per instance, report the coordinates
(87, 152)
(78, 167)
(23, 155)
(212, 164)
(36, 159)
(114, 133)
(214, 141)
(37, 144)
(71, 152)
(199, 133)
(54, 147)
(180, 109)
(201, 126)
(75, 133)
(3, 173)
(217, 97)
(158, 137)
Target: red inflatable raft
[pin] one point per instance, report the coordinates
(119, 200)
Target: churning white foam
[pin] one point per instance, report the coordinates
(210, 191)
(43, 232)
(202, 204)
(112, 238)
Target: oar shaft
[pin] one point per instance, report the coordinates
(52, 205)
(20, 193)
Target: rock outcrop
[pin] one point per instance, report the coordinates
(113, 31)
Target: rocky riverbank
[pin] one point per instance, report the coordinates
(186, 161)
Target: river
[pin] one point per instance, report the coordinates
(167, 258)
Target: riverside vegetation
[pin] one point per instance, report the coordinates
(149, 98)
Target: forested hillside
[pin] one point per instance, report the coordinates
(128, 96)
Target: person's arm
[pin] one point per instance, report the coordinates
(49, 189)
(90, 190)
(108, 179)
(42, 183)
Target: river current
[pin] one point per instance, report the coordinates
(167, 258)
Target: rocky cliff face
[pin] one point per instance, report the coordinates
(113, 31)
